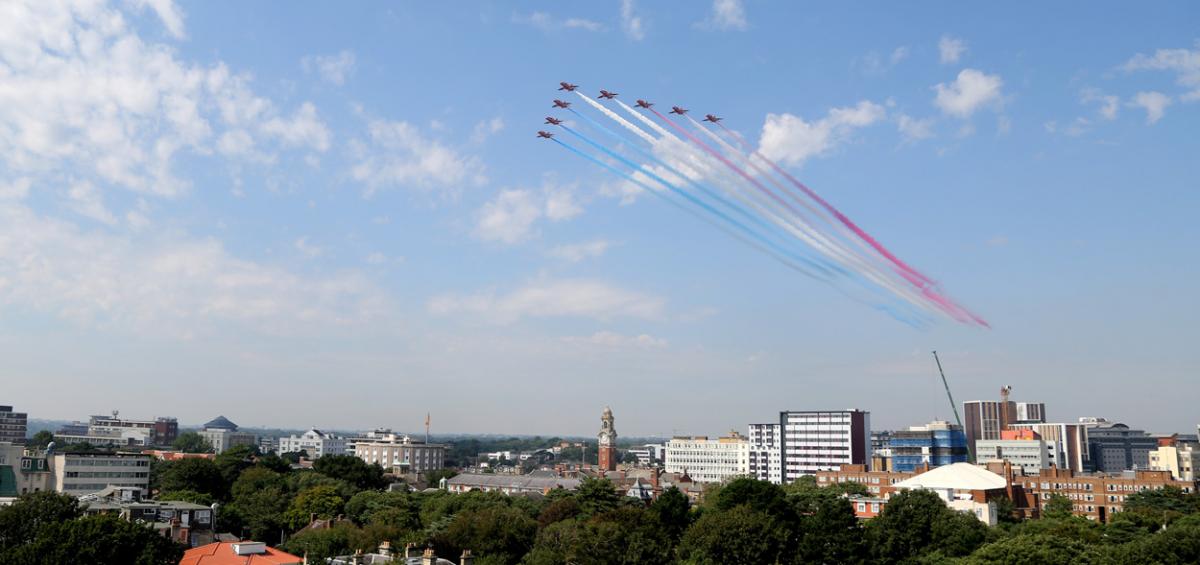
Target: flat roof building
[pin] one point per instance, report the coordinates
(709, 460)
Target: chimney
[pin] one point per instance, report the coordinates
(410, 550)
(467, 558)
(385, 548)
(428, 558)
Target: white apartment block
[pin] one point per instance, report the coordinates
(1031, 455)
(766, 464)
(1181, 459)
(401, 454)
(78, 474)
(812, 441)
(314, 442)
(709, 460)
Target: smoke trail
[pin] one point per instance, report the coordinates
(691, 198)
(923, 282)
(912, 319)
(617, 118)
(692, 212)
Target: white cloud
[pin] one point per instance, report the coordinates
(898, 54)
(561, 204)
(969, 92)
(548, 23)
(576, 252)
(398, 155)
(15, 189)
(510, 217)
(83, 92)
(632, 23)
(486, 129)
(914, 129)
(304, 129)
(1185, 63)
(87, 201)
(727, 15)
(1109, 104)
(615, 340)
(377, 258)
(332, 68)
(309, 250)
(582, 298)
(1155, 104)
(624, 191)
(874, 64)
(160, 284)
(168, 12)
(951, 49)
(790, 139)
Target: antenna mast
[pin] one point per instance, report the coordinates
(953, 406)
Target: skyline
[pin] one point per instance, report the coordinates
(345, 214)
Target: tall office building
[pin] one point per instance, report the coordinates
(934, 444)
(819, 440)
(13, 425)
(765, 463)
(985, 419)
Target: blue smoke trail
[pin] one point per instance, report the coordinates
(696, 201)
(775, 255)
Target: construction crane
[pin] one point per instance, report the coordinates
(953, 406)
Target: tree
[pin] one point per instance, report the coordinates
(759, 495)
(352, 470)
(629, 534)
(97, 540)
(193, 474)
(42, 439)
(433, 478)
(852, 488)
(256, 479)
(257, 514)
(322, 502)
(739, 536)
(917, 522)
(1058, 507)
(1037, 549)
(192, 442)
(597, 496)
(559, 509)
(829, 532)
(1163, 505)
(21, 521)
(234, 460)
(673, 512)
(504, 534)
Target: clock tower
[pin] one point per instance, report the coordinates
(608, 441)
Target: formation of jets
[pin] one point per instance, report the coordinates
(604, 94)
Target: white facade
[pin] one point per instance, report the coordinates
(709, 460)
(220, 440)
(1070, 441)
(1031, 455)
(766, 464)
(823, 441)
(77, 474)
(1181, 459)
(401, 454)
(314, 442)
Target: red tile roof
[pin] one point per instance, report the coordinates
(222, 553)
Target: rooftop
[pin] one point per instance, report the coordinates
(220, 423)
(238, 553)
(956, 476)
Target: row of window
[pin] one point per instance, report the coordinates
(106, 475)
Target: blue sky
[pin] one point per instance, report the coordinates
(338, 215)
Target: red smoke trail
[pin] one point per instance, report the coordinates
(921, 281)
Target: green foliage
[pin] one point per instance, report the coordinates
(187, 496)
(629, 534)
(1163, 505)
(41, 439)
(193, 474)
(433, 478)
(828, 530)
(1037, 550)
(320, 501)
(494, 531)
(673, 512)
(759, 495)
(1058, 507)
(917, 522)
(394, 509)
(597, 496)
(192, 442)
(559, 509)
(47, 528)
(21, 521)
(234, 460)
(849, 487)
(352, 470)
(738, 536)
